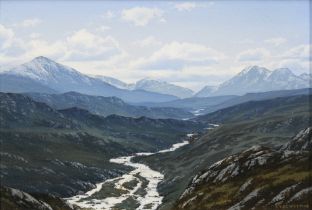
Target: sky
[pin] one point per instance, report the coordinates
(191, 44)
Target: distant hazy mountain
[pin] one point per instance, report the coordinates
(205, 105)
(257, 79)
(55, 76)
(163, 87)
(208, 90)
(107, 106)
(114, 82)
(149, 85)
(19, 84)
(194, 103)
(307, 77)
(255, 97)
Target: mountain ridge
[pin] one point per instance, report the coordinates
(150, 85)
(106, 105)
(63, 79)
(257, 79)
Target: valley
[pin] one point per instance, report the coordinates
(71, 148)
(155, 105)
(241, 127)
(135, 190)
(90, 145)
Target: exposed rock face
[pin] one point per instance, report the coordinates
(19, 200)
(302, 141)
(255, 178)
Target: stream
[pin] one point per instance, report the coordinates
(134, 190)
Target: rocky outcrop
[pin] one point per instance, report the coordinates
(302, 141)
(19, 200)
(255, 178)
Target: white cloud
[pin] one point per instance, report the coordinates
(81, 45)
(186, 50)
(188, 6)
(297, 58)
(35, 35)
(150, 41)
(185, 6)
(177, 55)
(295, 65)
(95, 53)
(253, 55)
(27, 23)
(6, 36)
(108, 15)
(39, 47)
(103, 28)
(302, 52)
(277, 41)
(245, 42)
(84, 45)
(141, 16)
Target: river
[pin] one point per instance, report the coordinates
(136, 189)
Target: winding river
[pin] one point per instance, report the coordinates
(136, 189)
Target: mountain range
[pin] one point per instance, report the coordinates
(46, 76)
(151, 86)
(258, 79)
(250, 80)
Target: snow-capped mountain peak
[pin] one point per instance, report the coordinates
(284, 78)
(254, 70)
(207, 90)
(283, 72)
(43, 74)
(42, 59)
(150, 85)
(258, 79)
(43, 69)
(306, 77)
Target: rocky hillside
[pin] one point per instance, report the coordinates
(13, 199)
(67, 151)
(239, 130)
(256, 178)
